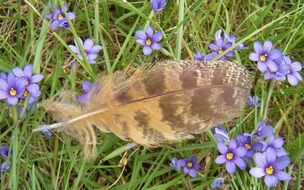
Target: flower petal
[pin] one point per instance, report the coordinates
(267, 46)
(230, 167)
(297, 75)
(20, 83)
(296, 66)
(28, 70)
(241, 151)
(218, 35)
(221, 159)
(272, 66)
(157, 37)
(262, 66)
(32, 88)
(12, 100)
(87, 86)
(260, 160)
(71, 15)
(222, 148)
(292, 79)
(55, 24)
(96, 49)
(156, 46)
(149, 31)
(267, 131)
(281, 162)
(92, 56)
(74, 48)
(233, 144)
(147, 50)
(3, 85)
(80, 40)
(283, 176)
(36, 78)
(270, 155)
(210, 56)
(82, 98)
(258, 47)
(257, 172)
(270, 180)
(88, 44)
(275, 54)
(141, 35)
(141, 42)
(278, 142)
(254, 57)
(3, 95)
(281, 152)
(18, 72)
(192, 173)
(240, 163)
(213, 47)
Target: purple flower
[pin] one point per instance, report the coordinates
(269, 60)
(149, 40)
(221, 44)
(201, 57)
(4, 151)
(58, 17)
(220, 134)
(131, 145)
(31, 85)
(231, 156)
(217, 183)
(191, 166)
(177, 164)
(73, 65)
(4, 167)
(158, 5)
(276, 145)
(198, 56)
(253, 101)
(270, 167)
(293, 74)
(47, 133)
(90, 49)
(246, 142)
(12, 88)
(87, 87)
(263, 130)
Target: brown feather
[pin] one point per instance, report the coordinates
(165, 103)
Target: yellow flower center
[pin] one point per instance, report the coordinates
(269, 170)
(12, 92)
(25, 93)
(148, 42)
(60, 17)
(263, 57)
(189, 164)
(229, 156)
(248, 146)
(220, 51)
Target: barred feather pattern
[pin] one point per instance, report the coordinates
(166, 103)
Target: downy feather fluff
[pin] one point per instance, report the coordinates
(166, 103)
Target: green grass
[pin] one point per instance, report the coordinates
(56, 163)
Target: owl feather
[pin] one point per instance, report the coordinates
(168, 102)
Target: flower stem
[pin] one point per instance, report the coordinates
(269, 93)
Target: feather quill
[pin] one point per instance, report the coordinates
(166, 103)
